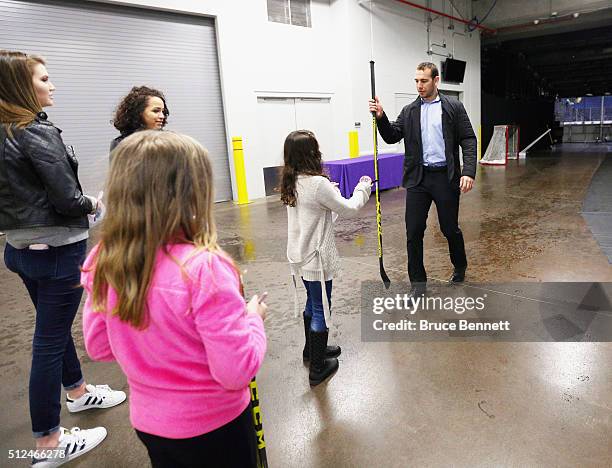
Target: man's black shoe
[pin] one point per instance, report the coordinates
(458, 276)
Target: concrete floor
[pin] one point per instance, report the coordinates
(396, 404)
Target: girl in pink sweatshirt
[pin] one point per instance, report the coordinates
(165, 302)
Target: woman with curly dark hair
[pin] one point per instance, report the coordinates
(143, 108)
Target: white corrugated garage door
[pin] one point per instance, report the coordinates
(95, 53)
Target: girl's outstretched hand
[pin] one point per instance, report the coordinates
(366, 179)
(257, 306)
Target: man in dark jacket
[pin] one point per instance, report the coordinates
(433, 127)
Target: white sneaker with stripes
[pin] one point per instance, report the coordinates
(72, 444)
(97, 396)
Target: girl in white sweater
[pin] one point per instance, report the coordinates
(313, 203)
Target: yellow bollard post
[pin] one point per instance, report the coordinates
(243, 196)
(245, 225)
(353, 137)
(479, 142)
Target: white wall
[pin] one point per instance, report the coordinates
(258, 57)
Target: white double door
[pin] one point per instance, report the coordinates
(279, 116)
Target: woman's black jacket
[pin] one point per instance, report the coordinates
(39, 185)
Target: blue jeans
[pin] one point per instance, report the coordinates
(314, 303)
(52, 278)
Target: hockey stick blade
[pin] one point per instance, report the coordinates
(383, 274)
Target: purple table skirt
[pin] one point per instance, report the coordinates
(347, 172)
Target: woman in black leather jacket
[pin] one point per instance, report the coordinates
(143, 108)
(44, 214)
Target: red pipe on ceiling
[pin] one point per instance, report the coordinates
(460, 20)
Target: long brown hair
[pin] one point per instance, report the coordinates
(159, 192)
(301, 156)
(18, 102)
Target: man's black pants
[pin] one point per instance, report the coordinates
(433, 187)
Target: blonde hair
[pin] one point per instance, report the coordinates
(18, 102)
(159, 192)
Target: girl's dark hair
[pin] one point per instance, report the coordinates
(302, 156)
(128, 116)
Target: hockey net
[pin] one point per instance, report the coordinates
(504, 145)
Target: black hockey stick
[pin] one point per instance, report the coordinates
(262, 459)
(383, 273)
